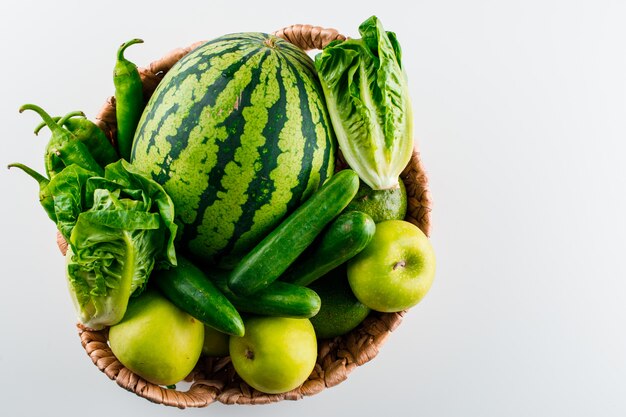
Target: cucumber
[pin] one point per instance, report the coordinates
(189, 289)
(273, 255)
(346, 236)
(279, 299)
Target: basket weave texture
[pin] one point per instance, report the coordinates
(214, 379)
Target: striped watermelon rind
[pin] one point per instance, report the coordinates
(238, 134)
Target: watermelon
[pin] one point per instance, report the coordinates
(238, 134)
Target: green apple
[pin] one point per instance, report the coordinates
(395, 270)
(340, 311)
(156, 340)
(215, 342)
(276, 354)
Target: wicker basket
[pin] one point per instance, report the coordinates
(214, 379)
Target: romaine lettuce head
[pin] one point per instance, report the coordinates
(124, 228)
(368, 102)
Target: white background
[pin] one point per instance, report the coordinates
(520, 114)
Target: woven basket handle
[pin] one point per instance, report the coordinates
(309, 37)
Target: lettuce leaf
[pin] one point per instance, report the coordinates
(367, 96)
(119, 228)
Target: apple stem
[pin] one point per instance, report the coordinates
(400, 264)
(249, 354)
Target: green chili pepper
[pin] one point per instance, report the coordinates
(57, 119)
(63, 148)
(129, 102)
(89, 133)
(45, 198)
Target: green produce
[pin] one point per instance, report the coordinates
(59, 120)
(276, 355)
(156, 340)
(45, 198)
(278, 299)
(89, 133)
(273, 255)
(190, 290)
(118, 228)
(129, 102)
(367, 95)
(237, 133)
(68, 192)
(396, 270)
(64, 148)
(381, 205)
(346, 236)
(215, 342)
(341, 311)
